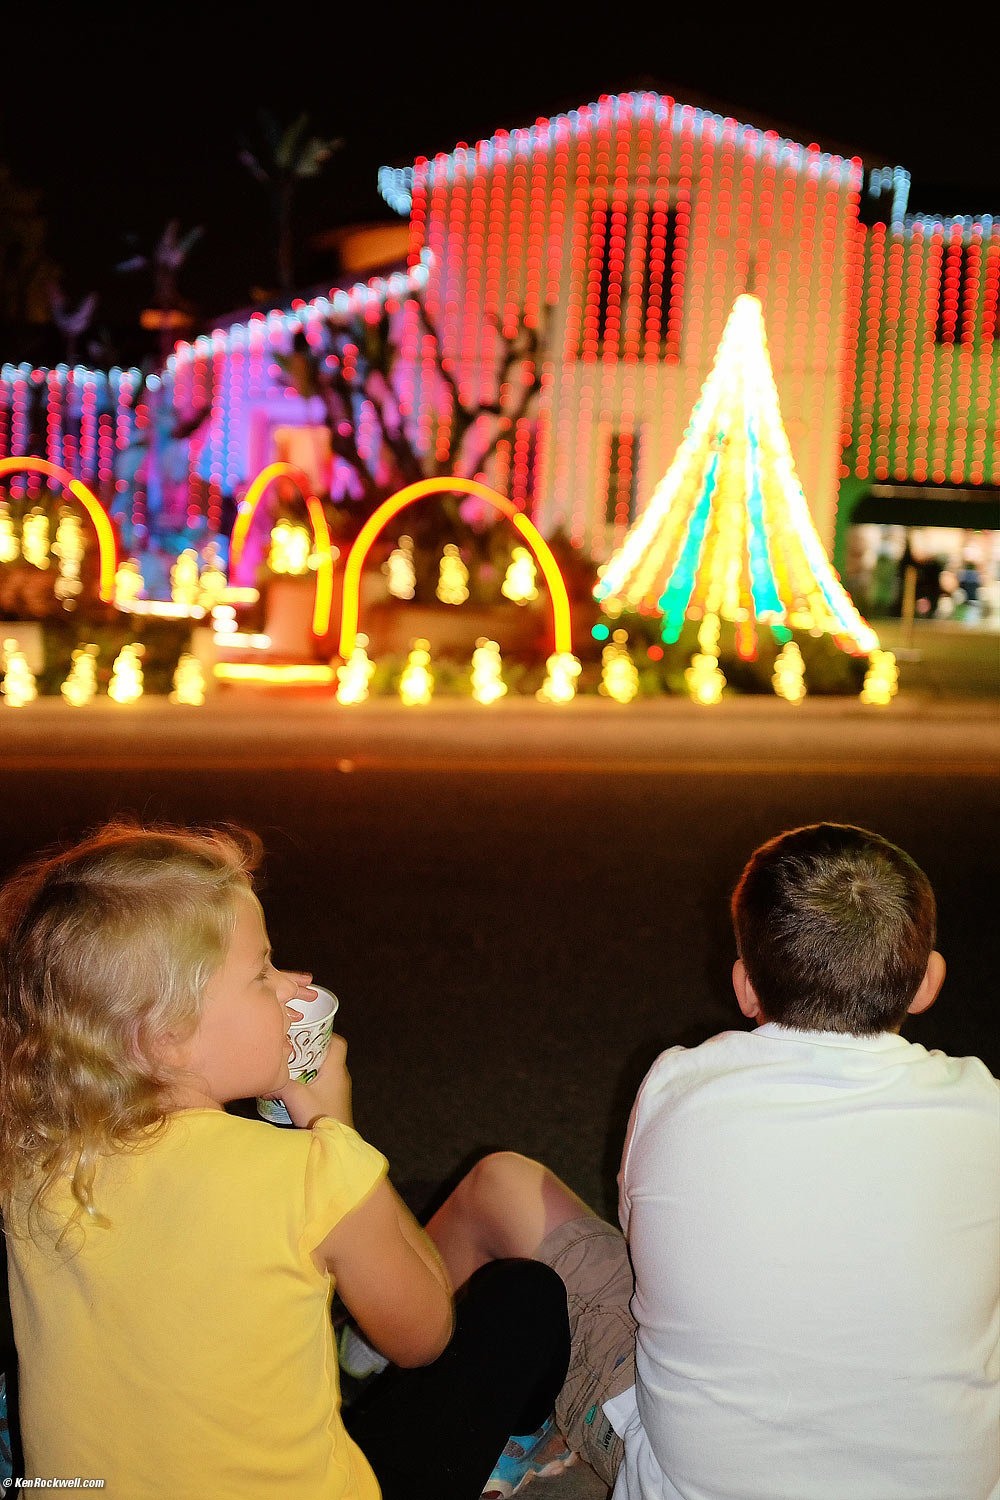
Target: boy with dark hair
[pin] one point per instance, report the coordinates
(811, 1213)
(835, 929)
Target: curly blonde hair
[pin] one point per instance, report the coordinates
(105, 948)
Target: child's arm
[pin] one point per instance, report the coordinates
(391, 1279)
(389, 1275)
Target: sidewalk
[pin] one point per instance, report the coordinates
(942, 659)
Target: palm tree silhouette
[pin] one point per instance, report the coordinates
(290, 155)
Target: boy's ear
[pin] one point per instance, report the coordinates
(929, 986)
(746, 995)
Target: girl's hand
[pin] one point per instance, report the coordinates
(303, 990)
(328, 1095)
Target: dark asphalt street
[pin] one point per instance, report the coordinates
(518, 911)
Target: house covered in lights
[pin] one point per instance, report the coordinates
(621, 233)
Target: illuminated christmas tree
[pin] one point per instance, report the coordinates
(727, 534)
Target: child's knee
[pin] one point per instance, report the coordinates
(499, 1179)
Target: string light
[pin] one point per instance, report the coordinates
(641, 219)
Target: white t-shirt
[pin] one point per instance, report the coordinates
(814, 1225)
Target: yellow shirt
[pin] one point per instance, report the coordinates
(186, 1353)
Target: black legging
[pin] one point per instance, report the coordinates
(437, 1431)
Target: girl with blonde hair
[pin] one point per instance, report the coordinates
(172, 1263)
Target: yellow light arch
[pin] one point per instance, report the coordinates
(323, 603)
(106, 545)
(444, 485)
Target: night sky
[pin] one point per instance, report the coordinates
(122, 126)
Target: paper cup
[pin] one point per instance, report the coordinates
(309, 1039)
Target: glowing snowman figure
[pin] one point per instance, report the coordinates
(881, 679)
(560, 682)
(10, 547)
(788, 678)
(453, 576)
(212, 584)
(126, 674)
(129, 584)
(184, 579)
(35, 538)
(417, 682)
(69, 548)
(705, 679)
(519, 581)
(81, 684)
(400, 571)
(189, 681)
(487, 681)
(18, 685)
(619, 674)
(355, 674)
(291, 549)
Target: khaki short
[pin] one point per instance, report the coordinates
(592, 1259)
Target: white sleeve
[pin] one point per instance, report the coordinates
(652, 1083)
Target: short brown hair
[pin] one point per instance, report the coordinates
(104, 948)
(835, 926)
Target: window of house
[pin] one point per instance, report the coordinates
(632, 259)
(958, 284)
(623, 477)
(951, 294)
